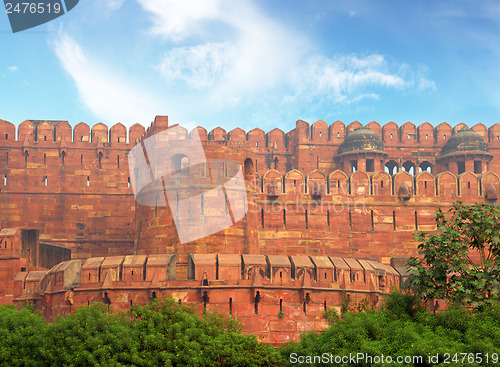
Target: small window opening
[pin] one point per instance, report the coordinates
(461, 167)
(230, 306)
(338, 135)
(284, 218)
(81, 160)
(45, 180)
(373, 224)
(468, 185)
(262, 217)
(118, 161)
(394, 219)
(425, 184)
(381, 184)
(281, 305)
(5, 180)
(354, 166)
(44, 159)
(128, 228)
(370, 165)
(391, 136)
(307, 223)
(44, 138)
(128, 182)
(63, 156)
(426, 136)
(416, 221)
(478, 167)
(328, 218)
(281, 275)
(88, 181)
(350, 219)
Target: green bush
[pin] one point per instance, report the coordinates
(403, 327)
(158, 334)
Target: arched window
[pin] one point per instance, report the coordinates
(180, 163)
(248, 169)
(409, 167)
(425, 166)
(391, 167)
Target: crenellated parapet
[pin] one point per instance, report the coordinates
(277, 297)
(319, 132)
(56, 131)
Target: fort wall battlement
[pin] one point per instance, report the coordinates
(73, 184)
(329, 208)
(276, 297)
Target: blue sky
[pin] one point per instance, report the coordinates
(256, 63)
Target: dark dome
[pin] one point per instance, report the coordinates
(361, 139)
(466, 140)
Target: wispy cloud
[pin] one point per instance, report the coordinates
(257, 55)
(13, 68)
(114, 5)
(109, 98)
(344, 79)
(221, 55)
(197, 66)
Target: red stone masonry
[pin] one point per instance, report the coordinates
(326, 212)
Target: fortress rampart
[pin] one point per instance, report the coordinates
(73, 185)
(254, 288)
(343, 198)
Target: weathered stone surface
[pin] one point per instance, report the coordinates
(329, 208)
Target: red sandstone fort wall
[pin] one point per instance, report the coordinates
(86, 202)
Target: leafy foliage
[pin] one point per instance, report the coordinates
(158, 334)
(403, 327)
(447, 268)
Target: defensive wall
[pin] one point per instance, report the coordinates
(73, 184)
(331, 209)
(276, 297)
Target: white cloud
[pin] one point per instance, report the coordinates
(256, 55)
(114, 5)
(109, 98)
(13, 68)
(176, 20)
(197, 66)
(342, 79)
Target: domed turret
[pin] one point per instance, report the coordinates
(466, 140)
(465, 151)
(361, 150)
(361, 139)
